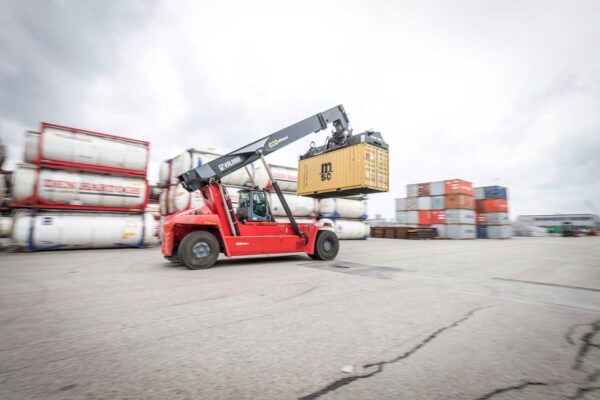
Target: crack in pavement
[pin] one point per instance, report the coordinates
(586, 343)
(302, 293)
(511, 388)
(582, 391)
(379, 366)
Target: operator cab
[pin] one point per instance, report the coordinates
(253, 206)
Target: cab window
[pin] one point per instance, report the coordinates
(244, 199)
(259, 204)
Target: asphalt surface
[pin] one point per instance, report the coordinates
(508, 319)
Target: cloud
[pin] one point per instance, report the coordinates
(502, 93)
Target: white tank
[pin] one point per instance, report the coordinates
(71, 230)
(73, 146)
(157, 227)
(3, 188)
(286, 176)
(161, 223)
(5, 226)
(342, 208)
(79, 188)
(234, 194)
(194, 158)
(347, 229)
(180, 199)
(163, 174)
(31, 146)
(176, 198)
(298, 220)
(299, 206)
(2, 154)
(162, 201)
(153, 208)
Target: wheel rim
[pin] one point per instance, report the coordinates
(327, 245)
(201, 251)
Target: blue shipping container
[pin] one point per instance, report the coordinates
(482, 231)
(495, 192)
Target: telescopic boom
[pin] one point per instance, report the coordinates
(225, 165)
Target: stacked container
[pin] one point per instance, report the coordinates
(71, 177)
(444, 205)
(492, 213)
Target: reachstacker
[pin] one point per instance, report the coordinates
(196, 237)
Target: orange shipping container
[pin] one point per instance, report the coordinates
(425, 218)
(423, 189)
(492, 205)
(438, 217)
(458, 186)
(460, 201)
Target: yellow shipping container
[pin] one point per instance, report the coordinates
(358, 169)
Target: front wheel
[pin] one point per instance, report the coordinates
(327, 246)
(199, 250)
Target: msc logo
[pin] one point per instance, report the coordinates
(326, 171)
(275, 142)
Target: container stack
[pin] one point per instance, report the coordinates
(448, 206)
(81, 189)
(491, 203)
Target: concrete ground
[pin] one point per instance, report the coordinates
(512, 319)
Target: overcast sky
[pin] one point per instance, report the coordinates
(504, 92)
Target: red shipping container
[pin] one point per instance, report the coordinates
(492, 205)
(438, 217)
(481, 219)
(460, 201)
(458, 186)
(425, 218)
(424, 189)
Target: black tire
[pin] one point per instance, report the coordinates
(327, 246)
(199, 250)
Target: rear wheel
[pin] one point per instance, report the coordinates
(327, 246)
(199, 250)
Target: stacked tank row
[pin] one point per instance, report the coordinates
(81, 189)
(491, 204)
(448, 206)
(345, 215)
(5, 180)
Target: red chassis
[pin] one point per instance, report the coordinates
(185, 231)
